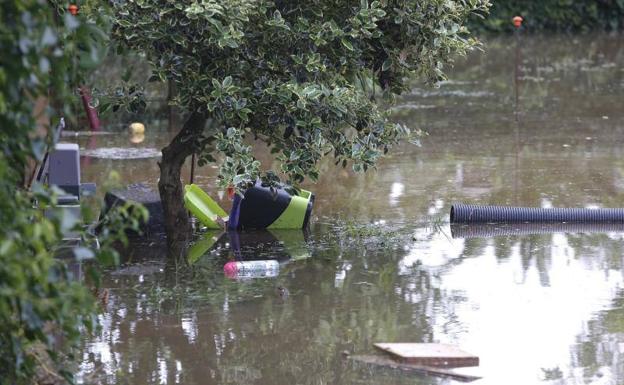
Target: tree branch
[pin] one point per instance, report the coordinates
(180, 147)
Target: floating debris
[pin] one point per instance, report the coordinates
(136, 128)
(438, 355)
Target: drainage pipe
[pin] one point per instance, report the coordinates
(462, 213)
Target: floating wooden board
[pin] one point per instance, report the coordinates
(439, 355)
(387, 362)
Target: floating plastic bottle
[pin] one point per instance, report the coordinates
(251, 269)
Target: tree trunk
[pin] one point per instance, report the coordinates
(177, 225)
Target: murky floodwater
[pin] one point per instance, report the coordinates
(380, 263)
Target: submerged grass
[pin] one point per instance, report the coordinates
(201, 286)
(348, 232)
(180, 286)
(351, 233)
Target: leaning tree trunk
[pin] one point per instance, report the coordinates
(177, 225)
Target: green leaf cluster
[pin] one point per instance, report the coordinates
(304, 77)
(43, 307)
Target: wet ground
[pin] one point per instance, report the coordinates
(381, 263)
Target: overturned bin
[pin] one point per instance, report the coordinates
(265, 208)
(260, 207)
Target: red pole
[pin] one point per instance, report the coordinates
(85, 95)
(92, 117)
(517, 22)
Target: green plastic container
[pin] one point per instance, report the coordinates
(206, 210)
(294, 217)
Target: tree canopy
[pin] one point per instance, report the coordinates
(305, 77)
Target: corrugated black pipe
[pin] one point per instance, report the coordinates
(461, 213)
(488, 230)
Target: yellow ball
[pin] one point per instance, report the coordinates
(137, 128)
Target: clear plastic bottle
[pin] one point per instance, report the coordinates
(251, 269)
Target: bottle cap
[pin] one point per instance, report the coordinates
(230, 269)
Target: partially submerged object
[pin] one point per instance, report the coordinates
(63, 171)
(206, 210)
(430, 359)
(137, 132)
(136, 128)
(462, 213)
(260, 207)
(441, 355)
(251, 254)
(61, 168)
(150, 199)
(251, 269)
(294, 216)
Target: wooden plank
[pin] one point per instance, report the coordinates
(387, 362)
(439, 355)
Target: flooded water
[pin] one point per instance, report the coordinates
(380, 262)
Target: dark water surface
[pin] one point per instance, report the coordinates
(380, 263)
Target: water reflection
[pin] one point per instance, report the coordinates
(281, 245)
(498, 297)
(541, 307)
(487, 230)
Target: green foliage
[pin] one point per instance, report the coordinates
(560, 15)
(42, 310)
(304, 77)
(42, 307)
(43, 48)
